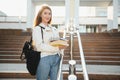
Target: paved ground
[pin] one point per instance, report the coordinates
(94, 69)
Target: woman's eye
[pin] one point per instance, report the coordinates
(49, 13)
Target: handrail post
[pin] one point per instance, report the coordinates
(72, 63)
(72, 70)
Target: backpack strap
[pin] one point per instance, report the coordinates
(21, 56)
(42, 33)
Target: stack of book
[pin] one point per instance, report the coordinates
(59, 43)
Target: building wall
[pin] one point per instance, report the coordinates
(14, 22)
(13, 25)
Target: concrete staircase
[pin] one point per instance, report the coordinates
(101, 50)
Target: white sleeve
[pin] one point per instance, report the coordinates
(43, 47)
(46, 48)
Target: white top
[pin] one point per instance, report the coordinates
(49, 33)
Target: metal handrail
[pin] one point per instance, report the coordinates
(62, 54)
(71, 46)
(60, 67)
(82, 57)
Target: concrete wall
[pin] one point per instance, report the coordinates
(13, 22)
(13, 25)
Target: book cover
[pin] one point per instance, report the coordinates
(59, 43)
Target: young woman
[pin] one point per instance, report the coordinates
(50, 59)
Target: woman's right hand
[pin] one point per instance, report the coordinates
(62, 47)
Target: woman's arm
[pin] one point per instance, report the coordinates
(43, 47)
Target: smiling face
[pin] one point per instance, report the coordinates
(46, 16)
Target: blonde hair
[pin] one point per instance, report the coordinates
(38, 18)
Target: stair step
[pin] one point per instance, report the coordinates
(96, 72)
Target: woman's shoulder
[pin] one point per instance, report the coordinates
(36, 28)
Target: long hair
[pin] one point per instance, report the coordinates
(38, 18)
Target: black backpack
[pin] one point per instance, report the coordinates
(32, 57)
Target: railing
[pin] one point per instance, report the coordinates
(12, 19)
(72, 76)
(72, 63)
(82, 58)
(71, 46)
(59, 76)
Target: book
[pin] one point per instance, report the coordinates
(59, 43)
